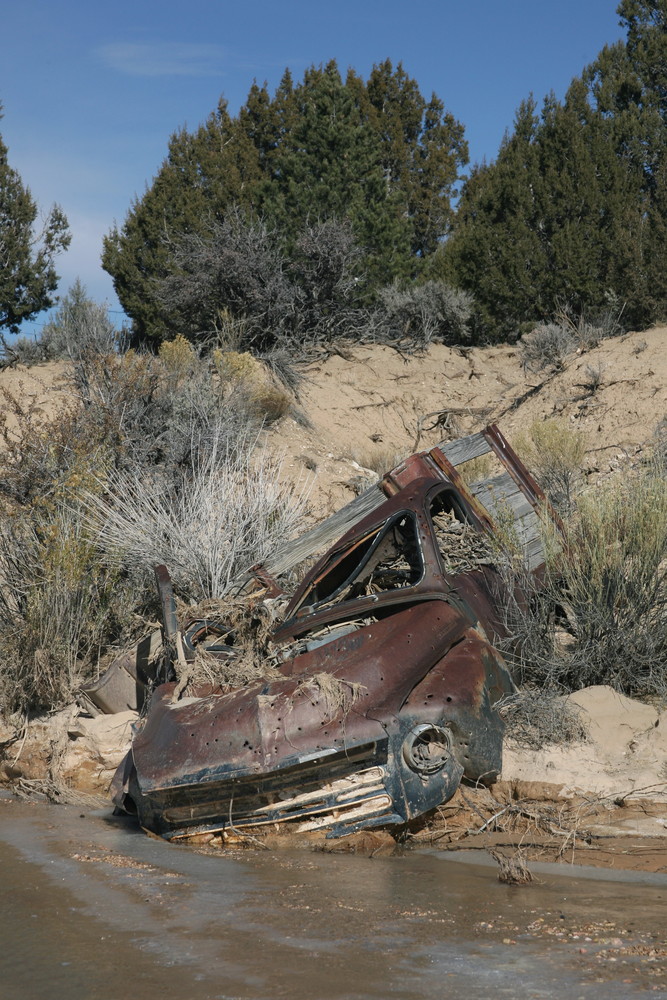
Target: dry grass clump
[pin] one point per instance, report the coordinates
(379, 459)
(588, 328)
(476, 470)
(546, 348)
(537, 718)
(659, 447)
(242, 374)
(555, 454)
(229, 513)
(605, 593)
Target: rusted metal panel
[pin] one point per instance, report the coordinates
(386, 685)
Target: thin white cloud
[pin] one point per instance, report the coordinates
(163, 58)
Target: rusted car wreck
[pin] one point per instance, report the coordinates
(387, 677)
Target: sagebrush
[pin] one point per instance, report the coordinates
(601, 615)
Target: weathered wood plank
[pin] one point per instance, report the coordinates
(325, 533)
(463, 450)
(501, 492)
(534, 553)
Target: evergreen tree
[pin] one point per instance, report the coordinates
(423, 148)
(498, 250)
(321, 149)
(573, 209)
(27, 270)
(202, 174)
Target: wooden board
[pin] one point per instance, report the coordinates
(491, 492)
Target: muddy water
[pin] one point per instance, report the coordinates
(91, 909)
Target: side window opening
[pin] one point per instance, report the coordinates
(461, 546)
(388, 559)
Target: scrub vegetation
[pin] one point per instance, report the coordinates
(157, 458)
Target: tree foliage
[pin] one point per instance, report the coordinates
(27, 253)
(376, 156)
(573, 208)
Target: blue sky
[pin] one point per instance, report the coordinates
(92, 91)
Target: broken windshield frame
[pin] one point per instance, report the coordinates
(351, 572)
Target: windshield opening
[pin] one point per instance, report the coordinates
(389, 558)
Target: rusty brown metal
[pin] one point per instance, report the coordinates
(266, 581)
(385, 692)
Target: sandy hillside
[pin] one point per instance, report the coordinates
(39, 390)
(367, 406)
(370, 404)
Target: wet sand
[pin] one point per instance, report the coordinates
(92, 909)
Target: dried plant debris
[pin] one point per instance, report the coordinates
(462, 547)
(537, 718)
(513, 869)
(338, 695)
(233, 647)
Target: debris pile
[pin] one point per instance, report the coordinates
(461, 546)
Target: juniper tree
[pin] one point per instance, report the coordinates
(27, 251)
(573, 208)
(323, 149)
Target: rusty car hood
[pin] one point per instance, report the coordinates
(255, 729)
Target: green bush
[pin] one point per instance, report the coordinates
(601, 617)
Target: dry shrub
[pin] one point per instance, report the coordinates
(590, 326)
(555, 453)
(178, 356)
(419, 314)
(546, 348)
(58, 609)
(614, 589)
(606, 590)
(242, 374)
(78, 328)
(380, 459)
(230, 512)
(152, 414)
(536, 718)
(476, 470)
(154, 444)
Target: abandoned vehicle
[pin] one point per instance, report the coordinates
(384, 677)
